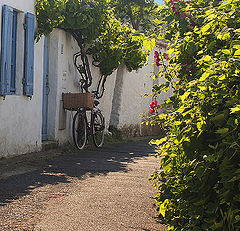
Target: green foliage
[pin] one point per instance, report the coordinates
(138, 13)
(85, 16)
(109, 40)
(199, 184)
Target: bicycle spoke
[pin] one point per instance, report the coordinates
(79, 130)
(98, 126)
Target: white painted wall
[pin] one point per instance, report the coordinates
(121, 110)
(63, 78)
(133, 101)
(20, 117)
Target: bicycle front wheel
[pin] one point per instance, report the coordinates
(97, 127)
(79, 130)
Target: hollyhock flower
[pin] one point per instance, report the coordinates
(166, 56)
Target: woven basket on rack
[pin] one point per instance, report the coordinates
(74, 101)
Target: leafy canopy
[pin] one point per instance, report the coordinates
(138, 13)
(93, 24)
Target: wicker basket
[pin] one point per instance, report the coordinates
(74, 101)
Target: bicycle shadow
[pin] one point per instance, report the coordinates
(64, 168)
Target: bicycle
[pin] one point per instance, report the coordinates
(82, 128)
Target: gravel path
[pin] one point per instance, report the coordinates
(104, 189)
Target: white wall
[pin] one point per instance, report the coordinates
(124, 98)
(63, 78)
(21, 118)
(136, 96)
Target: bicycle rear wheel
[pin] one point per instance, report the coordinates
(79, 130)
(97, 127)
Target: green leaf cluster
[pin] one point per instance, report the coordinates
(199, 181)
(106, 38)
(140, 14)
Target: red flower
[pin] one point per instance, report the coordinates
(153, 104)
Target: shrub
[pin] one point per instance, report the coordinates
(199, 181)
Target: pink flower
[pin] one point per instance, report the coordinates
(166, 56)
(156, 56)
(151, 111)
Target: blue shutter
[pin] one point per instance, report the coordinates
(29, 55)
(14, 48)
(6, 50)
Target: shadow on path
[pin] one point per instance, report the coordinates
(57, 167)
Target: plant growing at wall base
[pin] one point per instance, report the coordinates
(199, 182)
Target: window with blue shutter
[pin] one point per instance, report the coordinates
(13, 57)
(28, 79)
(6, 49)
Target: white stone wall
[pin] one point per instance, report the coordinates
(20, 117)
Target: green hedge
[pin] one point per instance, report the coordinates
(199, 181)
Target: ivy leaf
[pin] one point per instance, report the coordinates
(163, 207)
(226, 51)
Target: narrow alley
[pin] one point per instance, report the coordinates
(96, 189)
